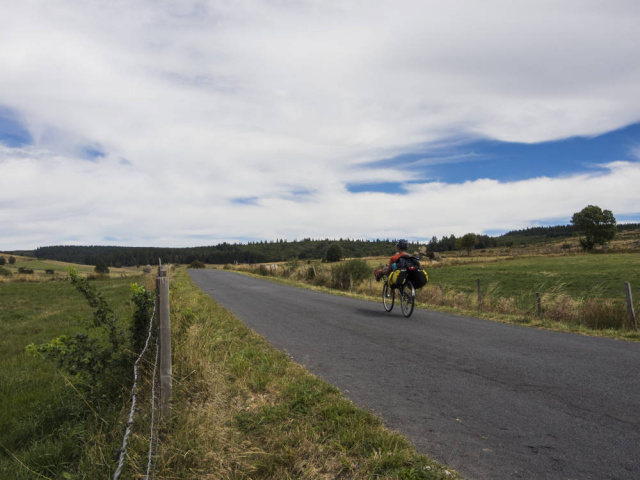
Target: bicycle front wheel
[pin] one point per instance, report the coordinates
(407, 299)
(388, 297)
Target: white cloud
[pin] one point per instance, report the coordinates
(197, 103)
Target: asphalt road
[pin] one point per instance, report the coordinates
(491, 400)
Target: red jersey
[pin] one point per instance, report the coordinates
(395, 258)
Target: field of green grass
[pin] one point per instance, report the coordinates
(43, 422)
(580, 275)
(60, 269)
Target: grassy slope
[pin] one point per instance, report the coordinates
(40, 266)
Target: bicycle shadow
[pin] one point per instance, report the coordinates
(380, 313)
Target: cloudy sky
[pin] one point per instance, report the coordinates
(192, 122)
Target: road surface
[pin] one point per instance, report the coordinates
(491, 400)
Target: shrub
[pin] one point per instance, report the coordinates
(97, 359)
(3, 261)
(263, 270)
(197, 264)
(101, 268)
(4, 272)
(49, 271)
(27, 271)
(144, 302)
(346, 275)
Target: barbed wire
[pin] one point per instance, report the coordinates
(134, 390)
(153, 410)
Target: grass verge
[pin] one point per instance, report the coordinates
(244, 410)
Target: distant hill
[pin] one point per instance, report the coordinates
(282, 250)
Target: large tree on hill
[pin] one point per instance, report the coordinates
(598, 226)
(467, 242)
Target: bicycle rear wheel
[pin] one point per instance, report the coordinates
(388, 297)
(407, 299)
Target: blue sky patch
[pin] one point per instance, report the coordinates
(245, 200)
(463, 161)
(13, 133)
(384, 187)
(92, 153)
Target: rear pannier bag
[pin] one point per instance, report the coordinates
(418, 277)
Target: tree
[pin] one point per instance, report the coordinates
(467, 242)
(598, 226)
(12, 260)
(334, 253)
(3, 261)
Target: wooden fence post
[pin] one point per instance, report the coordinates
(479, 295)
(539, 303)
(164, 341)
(632, 313)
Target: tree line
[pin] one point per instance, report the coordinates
(224, 253)
(282, 250)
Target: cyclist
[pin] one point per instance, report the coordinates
(402, 247)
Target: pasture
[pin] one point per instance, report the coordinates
(579, 275)
(52, 269)
(44, 423)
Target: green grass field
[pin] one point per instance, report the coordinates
(581, 275)
(60, 269)
(42, 421)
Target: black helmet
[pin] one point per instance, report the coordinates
(402, 244)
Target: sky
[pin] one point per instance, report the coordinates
(194, 122)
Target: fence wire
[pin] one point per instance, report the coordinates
(150, 463)
(134, 391)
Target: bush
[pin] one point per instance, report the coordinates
(264, 270)
(3, 261)
(4, 272)
(97, 359)
(101, 268)
(49, 271)
(197, 264)
(348, 274)
(27, 271)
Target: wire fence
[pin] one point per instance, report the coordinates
(134, 392)
(150, 463)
